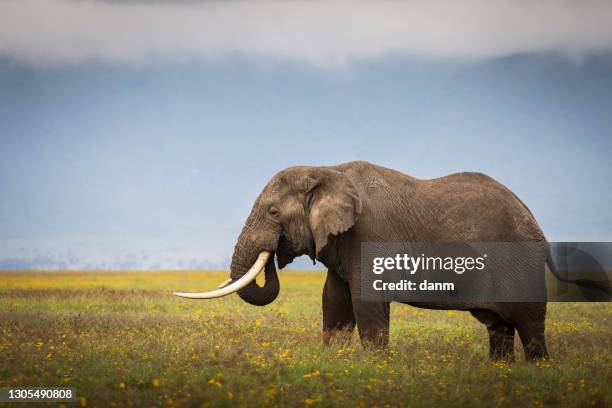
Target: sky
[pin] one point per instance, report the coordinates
(137, 134)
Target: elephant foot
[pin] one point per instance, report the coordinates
(536, 351)
(498, 355)
(378, 341)
(340, 336)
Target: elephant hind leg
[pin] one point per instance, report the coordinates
(501, 334)
(530, 327)
(338, 317)
(534, 342)
(501, 341)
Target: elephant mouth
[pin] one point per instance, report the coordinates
(287, 251)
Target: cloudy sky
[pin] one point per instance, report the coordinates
(128, 129)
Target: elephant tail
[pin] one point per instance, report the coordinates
(585, 283)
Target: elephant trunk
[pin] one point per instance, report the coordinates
(253, 293)
(244, 256)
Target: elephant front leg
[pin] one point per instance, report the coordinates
(338, 317)
(373, 322)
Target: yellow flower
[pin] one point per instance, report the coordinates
(83, 401)
(214, 382)
(156, 382)
(315, 399)
(121, 385)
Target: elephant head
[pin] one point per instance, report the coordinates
(294, 215)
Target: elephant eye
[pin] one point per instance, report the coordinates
(273, 210)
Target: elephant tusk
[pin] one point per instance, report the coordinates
(229, 288)
(224, 284)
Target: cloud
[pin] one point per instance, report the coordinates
(324, 33)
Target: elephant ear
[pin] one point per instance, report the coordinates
(333, 205)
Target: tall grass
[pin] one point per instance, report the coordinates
(122, 339)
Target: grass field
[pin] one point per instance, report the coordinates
(121, 338)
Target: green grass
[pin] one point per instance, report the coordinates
(121, 339)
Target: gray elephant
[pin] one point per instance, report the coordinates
(327, 212)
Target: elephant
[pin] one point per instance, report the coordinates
(327, 212)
